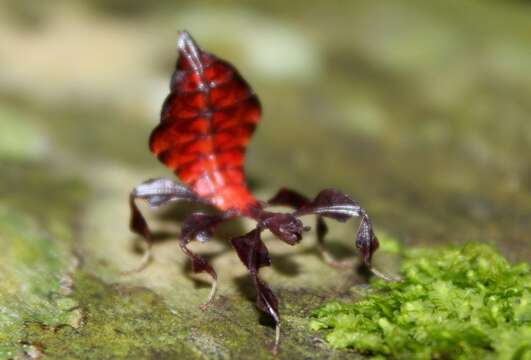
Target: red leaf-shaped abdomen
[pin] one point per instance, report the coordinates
(206, 123)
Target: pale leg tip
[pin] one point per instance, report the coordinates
(277, 340)
(383, 276)
(147, 258)
(211, 296)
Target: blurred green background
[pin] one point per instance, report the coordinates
(419, 109)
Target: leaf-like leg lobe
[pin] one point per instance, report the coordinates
(366, 241)
(254, 255)
(251, 250)
(200, 226)
(290, 198)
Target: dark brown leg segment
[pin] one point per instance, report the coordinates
(200, 226)
(254, 255)
(140, 227)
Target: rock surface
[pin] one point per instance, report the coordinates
(419, 110)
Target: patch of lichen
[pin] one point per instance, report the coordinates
(32, 266)
(118, 322)
(455, 302)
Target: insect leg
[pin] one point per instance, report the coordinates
(157, 192)
(333, 204)
(289, 198)
(200, 264)
(254, 255)
(200, 226)
(138, 225)
(296, 200)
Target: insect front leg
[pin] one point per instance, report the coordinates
(254, 255)
(296, 200)
(157, 192)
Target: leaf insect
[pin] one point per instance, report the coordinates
(206, 122)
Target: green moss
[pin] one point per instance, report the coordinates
(32, 266)
(458, 302)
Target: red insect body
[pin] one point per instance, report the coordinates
(206, 123)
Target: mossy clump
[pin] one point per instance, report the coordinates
(453, 303)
